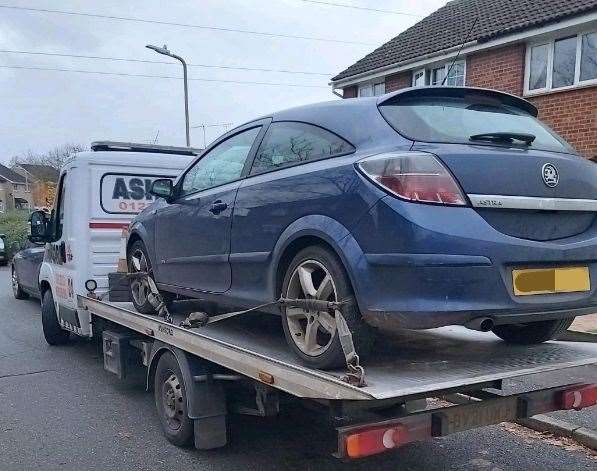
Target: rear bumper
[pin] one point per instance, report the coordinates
(430, 266)
(429, 320)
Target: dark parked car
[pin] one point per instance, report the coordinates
(25, 271)
(3, 260)
(422, 208)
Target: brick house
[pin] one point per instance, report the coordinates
(14, 191)
(41, 180)
(543, 50)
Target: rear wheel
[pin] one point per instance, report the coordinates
(317, 273)
(171, 401)
(533, 332)
(17, 291)
(53, 333)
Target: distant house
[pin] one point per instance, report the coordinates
(543, 50)
(41, 180)
(14, 190)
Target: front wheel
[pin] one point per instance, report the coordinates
(17, 291)
(138, 261)
(317, 273)
(53, 333)
(533, 332)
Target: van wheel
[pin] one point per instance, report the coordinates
(317, 273)
(17, 291)
(533, 332)
(171, 401)
(53, 333)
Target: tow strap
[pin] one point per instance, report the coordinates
(355, 374)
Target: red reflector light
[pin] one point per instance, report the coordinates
(373, 441)
(580, 397)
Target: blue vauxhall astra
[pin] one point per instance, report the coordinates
(421, 208)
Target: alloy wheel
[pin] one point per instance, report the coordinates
(312, 331)
(15, 282)
(139, 287)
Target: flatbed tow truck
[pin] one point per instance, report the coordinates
(421, 384)
(417, 385)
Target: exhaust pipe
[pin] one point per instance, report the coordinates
(482, 324)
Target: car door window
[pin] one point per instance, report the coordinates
(223, 164)
(290, 143)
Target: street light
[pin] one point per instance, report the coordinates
(164, 50)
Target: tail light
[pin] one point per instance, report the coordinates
(413, 176)
(375, 440)
(579, 397)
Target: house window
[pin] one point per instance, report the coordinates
(588, 57)
(436, 76)
(562, 63)
(419, 78)
(538, 67)
(372, 89)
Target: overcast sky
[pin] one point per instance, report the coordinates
(42, 109)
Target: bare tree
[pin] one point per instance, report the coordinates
(55, 157)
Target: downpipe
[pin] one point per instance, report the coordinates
(482, 324)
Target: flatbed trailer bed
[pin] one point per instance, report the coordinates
(407, 366)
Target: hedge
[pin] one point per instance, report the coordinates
(14, 225)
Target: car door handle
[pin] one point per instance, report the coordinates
(217, 207)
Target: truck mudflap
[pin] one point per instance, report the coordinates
(457, 413)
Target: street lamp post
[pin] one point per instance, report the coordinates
(164, 50)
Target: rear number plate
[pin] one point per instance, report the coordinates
(460, 418)
(550, 280)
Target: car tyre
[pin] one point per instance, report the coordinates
(17, 291)
(171, 401)
(532, 333)
(53, 333)
(325, 351)
(139, 289)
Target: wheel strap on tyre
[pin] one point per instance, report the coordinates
(356, 373)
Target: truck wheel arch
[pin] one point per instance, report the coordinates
(191, 366)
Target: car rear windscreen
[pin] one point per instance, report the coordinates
(457, 119)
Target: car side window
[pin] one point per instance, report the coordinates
(288, 143)
(222, 164)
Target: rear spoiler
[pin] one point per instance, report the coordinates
(115, 146)
(431, 91)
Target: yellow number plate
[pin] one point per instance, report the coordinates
(550, 280)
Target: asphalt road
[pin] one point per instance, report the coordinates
(59, 410)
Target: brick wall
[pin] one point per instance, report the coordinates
(573, 115)
(398, 81)
(351, 92)
(501, 69)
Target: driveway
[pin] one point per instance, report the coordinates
(59, 410)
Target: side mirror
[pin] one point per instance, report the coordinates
(162, 188)
(39, 227)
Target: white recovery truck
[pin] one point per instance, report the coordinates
(240, 364)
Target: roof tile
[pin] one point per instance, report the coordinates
(449, 26)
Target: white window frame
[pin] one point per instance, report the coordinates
(550, 52)
(371, 87)
(414, 78)
(428, 71)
